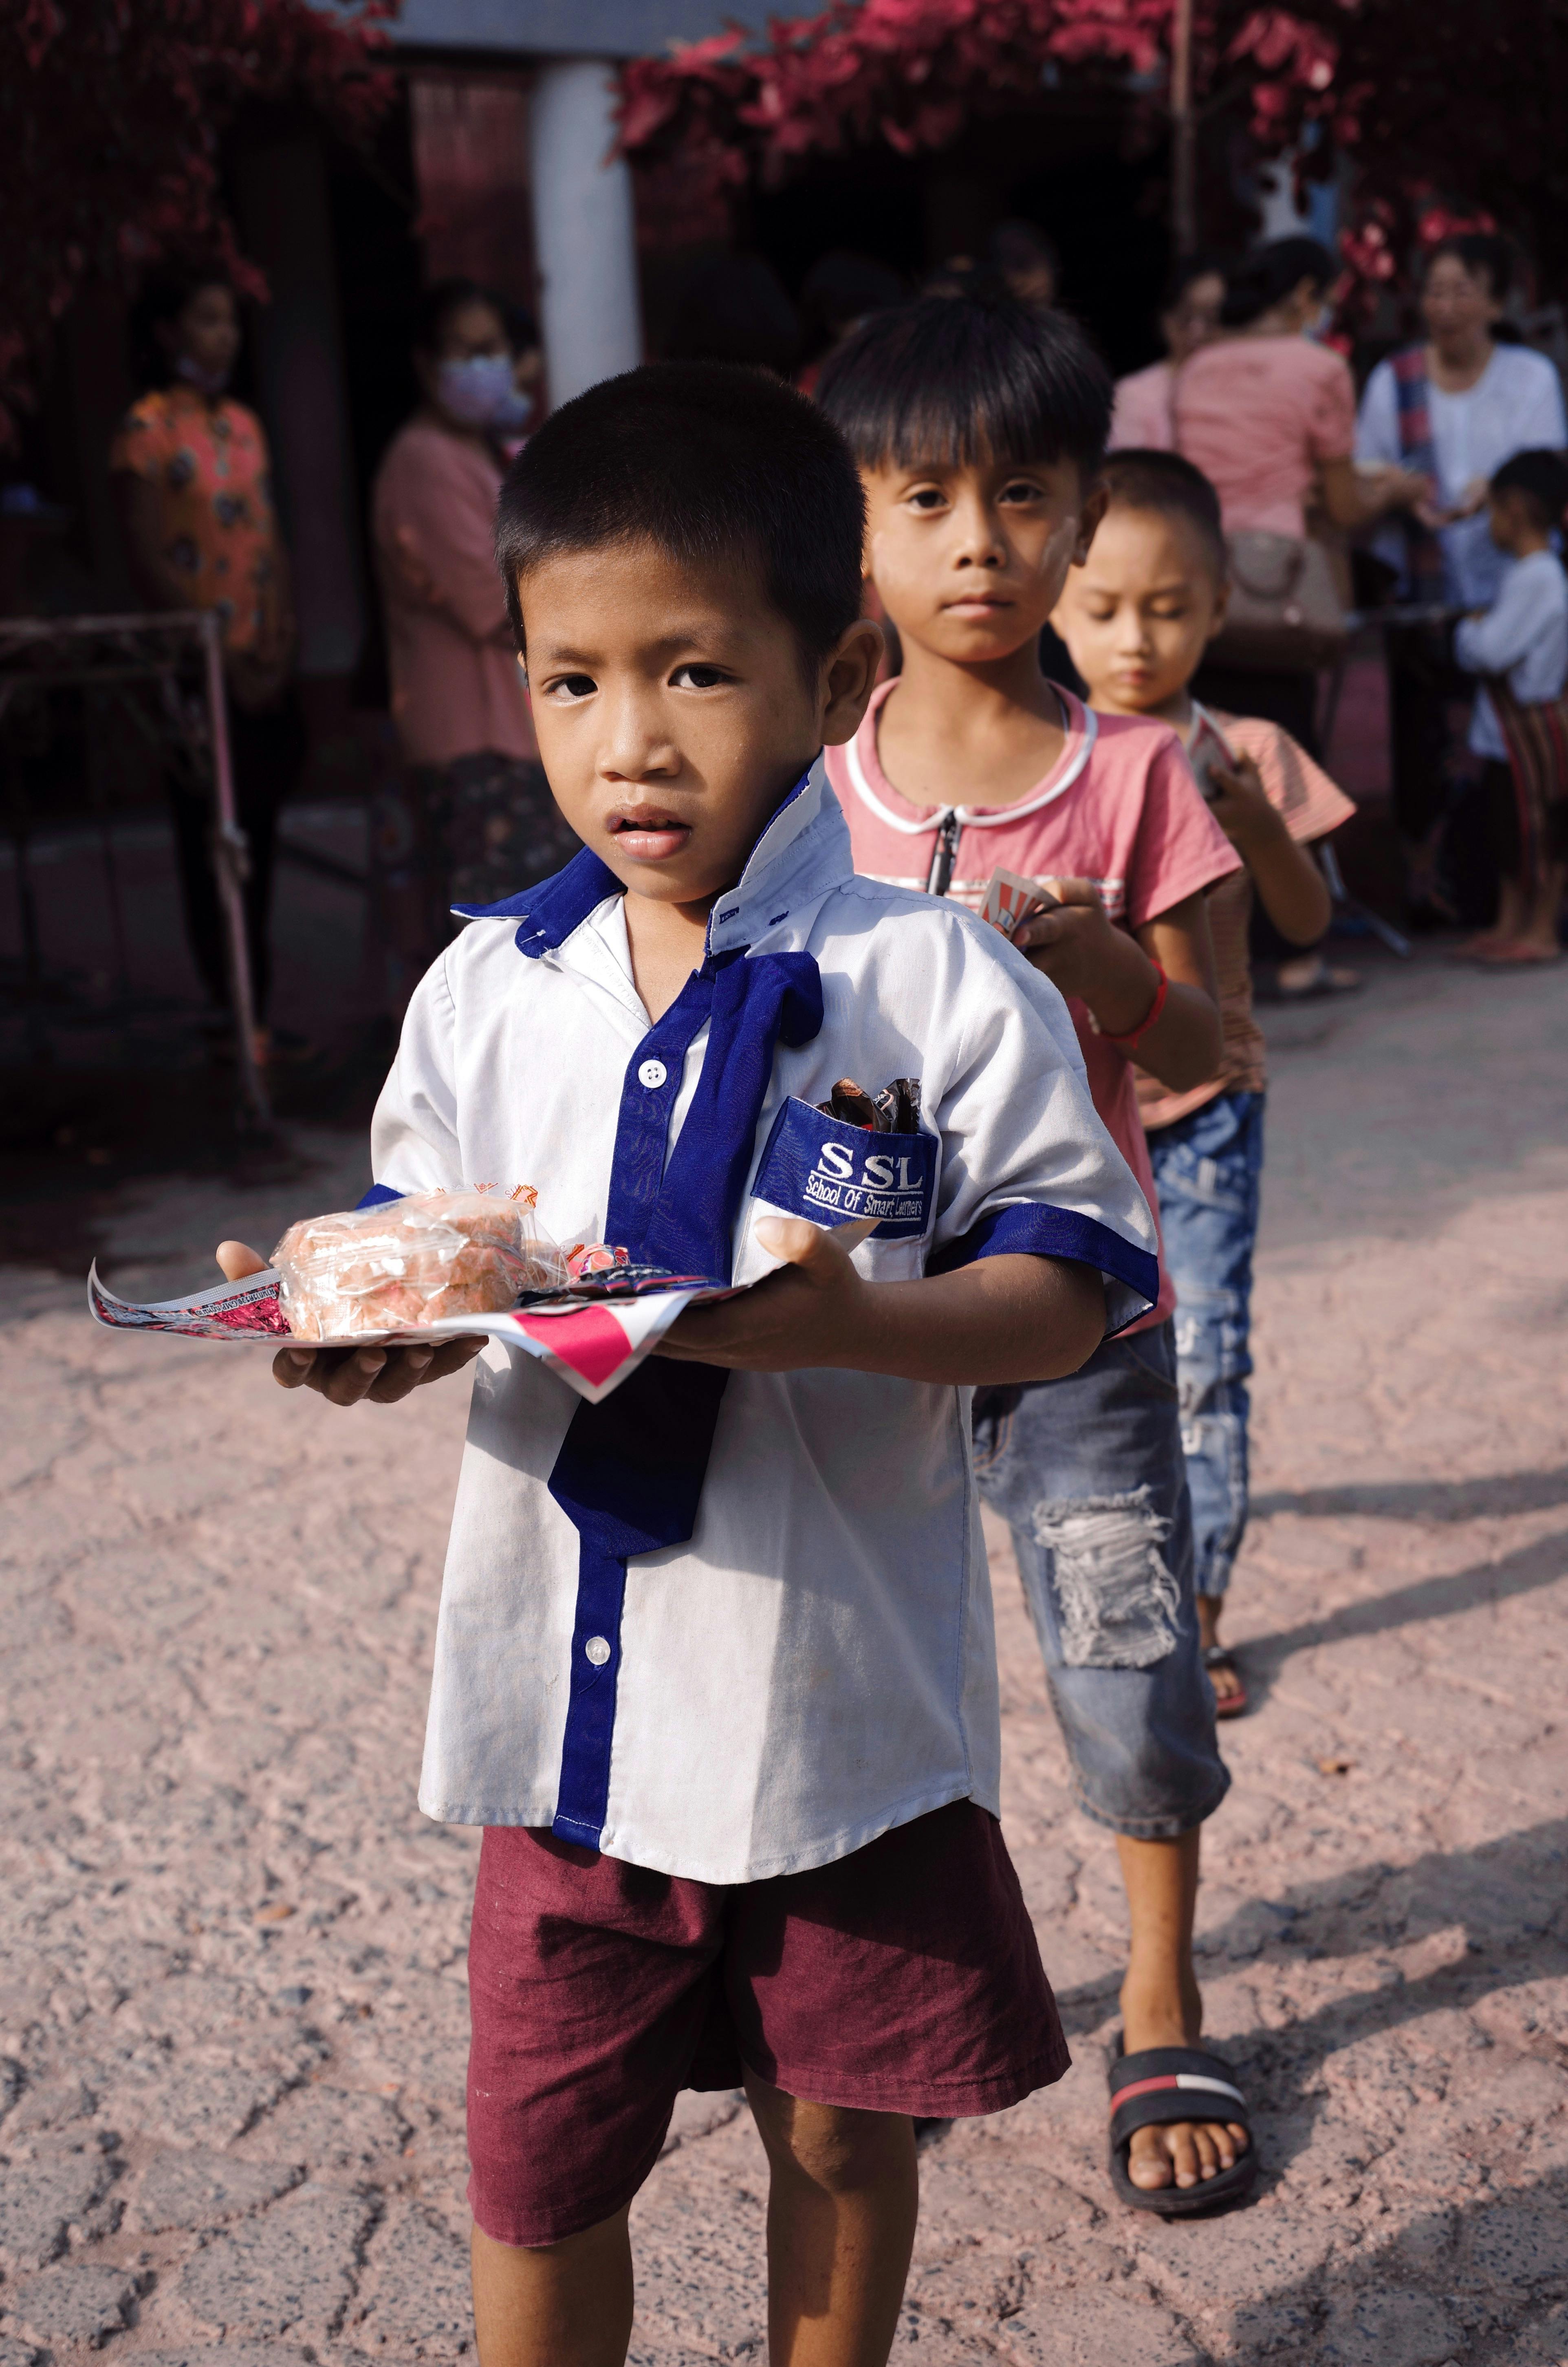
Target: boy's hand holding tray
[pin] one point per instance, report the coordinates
(592, 1328)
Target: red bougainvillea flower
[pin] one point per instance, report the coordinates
(1472, 102)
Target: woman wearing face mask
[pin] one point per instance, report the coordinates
(190, 472)
(1454, 409)
(480, 821)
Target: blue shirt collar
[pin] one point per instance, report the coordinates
(802, 852)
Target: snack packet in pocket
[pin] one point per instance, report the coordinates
(895, 1110)
(405, 1263)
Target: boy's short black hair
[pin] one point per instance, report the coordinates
(1541, 478)
(952, 379)
(1148, 480)
(707, 461)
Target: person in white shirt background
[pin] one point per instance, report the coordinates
(1523, 640)
(1453, 408)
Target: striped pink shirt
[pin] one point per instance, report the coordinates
(1120, 807)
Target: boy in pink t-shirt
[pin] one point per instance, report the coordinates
(979, 428)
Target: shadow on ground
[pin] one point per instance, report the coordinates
(1482, 2282)
(1521, 1572)
(1493, 1498)
(72, 1140)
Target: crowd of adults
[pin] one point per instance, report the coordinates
(1271, 416)
(1248, 390)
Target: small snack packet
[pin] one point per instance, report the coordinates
(898, 1107)
(1209, 748)
(895, 1110)
(406, 1264)
(850, 1105)
(1011, 899)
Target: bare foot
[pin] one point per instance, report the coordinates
(1190, 2152)
(1476, 948)
(1313, 975)
(1507, 952)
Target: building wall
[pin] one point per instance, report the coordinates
(470, 134)
(574, 29)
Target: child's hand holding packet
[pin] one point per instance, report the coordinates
(1011, 899)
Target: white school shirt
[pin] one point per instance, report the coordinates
(1516, 406)
(817, 1663)
(1523, 635)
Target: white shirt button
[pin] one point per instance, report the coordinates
(598, 1650)
(652, 1074)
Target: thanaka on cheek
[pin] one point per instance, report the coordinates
(968, 558)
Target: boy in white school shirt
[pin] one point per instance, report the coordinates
(715, 1664)
(1519, 647)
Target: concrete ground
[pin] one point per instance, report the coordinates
(232, 2014)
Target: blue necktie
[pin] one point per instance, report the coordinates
(629, 1474)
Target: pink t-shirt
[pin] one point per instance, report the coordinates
(457, 685)
(1312, 806)
(1257, 414)
(1142, 417)
(1120, 807)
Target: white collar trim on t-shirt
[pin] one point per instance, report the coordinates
(966, 815)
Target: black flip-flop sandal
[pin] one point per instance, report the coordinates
(1163, 2084)
(1220, 1656)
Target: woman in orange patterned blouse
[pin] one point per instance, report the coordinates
(192, 472)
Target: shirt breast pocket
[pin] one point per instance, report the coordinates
(816, 1167)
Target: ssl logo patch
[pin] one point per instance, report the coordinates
(818, 1167)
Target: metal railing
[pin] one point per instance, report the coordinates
(39, 655)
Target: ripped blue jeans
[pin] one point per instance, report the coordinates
(1088, 1474)
(1208, 1169)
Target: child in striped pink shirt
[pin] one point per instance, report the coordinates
(979, 428)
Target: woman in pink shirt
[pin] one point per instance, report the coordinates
(1190, 317)
(1270, 419)
(476, 819)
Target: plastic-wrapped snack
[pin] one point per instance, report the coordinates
(408, 1263)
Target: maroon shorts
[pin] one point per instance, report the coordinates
(903, 1979)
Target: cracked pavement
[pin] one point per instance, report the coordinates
(233, 2011)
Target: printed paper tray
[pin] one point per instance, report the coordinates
(593, 1337)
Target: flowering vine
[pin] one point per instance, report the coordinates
(709, 117)
(1418, 96)
(110, 116)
